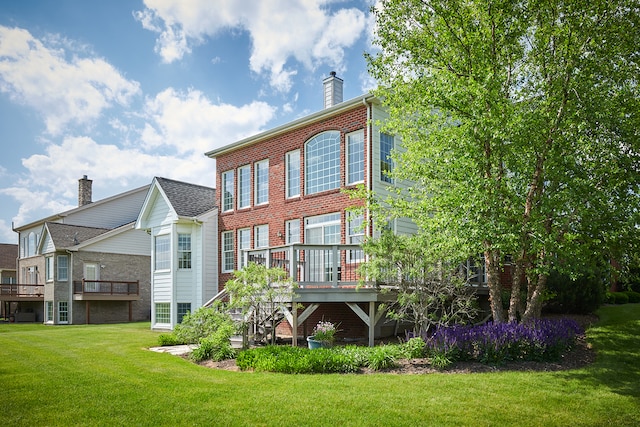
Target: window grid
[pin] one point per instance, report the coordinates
(184, 251)
(227, 191)
(262, 182)
(244, 187)
(163, 312)
(63, 267)
(261, 233)
(63, 312)
(183, 309)
(386, 163)
(162, 256)
(322, 162)
(293, 173)
(293, 231)
(355, 158)
(244, 243)
(48, 270)
(227, 251)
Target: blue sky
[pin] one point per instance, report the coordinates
(122, 91)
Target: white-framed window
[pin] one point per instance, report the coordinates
(163, 312)
(183, 309)
(244, 186)
(292, 229)
(162, 253)
(386, 163)
(355, 235)
(292, 160)
(30, 275)
(228, 262)
(244, 243)
(63, 312)
(91, 277)
(32, 243)
(261, 235)
(63, 268)
(261, 182)
(322, 229)
(227, 191)
(48, 268)
(48, 311)
(184, 251)
(322, 162)
(355, 158)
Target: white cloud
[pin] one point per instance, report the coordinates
(307, 31)
(63, 91)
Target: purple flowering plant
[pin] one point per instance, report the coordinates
(325, 331)
(496, 343)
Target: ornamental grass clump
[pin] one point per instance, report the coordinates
(497, 343)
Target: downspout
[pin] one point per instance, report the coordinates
(71, 300)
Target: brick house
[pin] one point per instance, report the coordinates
(282, 201)
(85, 265)
(8, 260)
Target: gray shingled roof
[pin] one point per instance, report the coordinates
(8, 255)
(188, 200)
(65, 235)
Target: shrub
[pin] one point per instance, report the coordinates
(580, 296)
(610, 298)
(621, 297)
(634, 297)
(216, 346)
(168, 339)
(202, 323)
(383, 357)
(413, 348)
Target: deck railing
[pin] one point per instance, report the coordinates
(313, 265)
(21, 290)
(106, 287)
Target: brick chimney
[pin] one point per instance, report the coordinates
(332, 90)
(84, 191)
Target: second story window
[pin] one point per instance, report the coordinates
(63, 268)
(48, 269)
(261, 182)
(292, 161)
(162, 255)
(355, 158)
(322, 162)
(244, 187)
(386, 163)
(227, 191)
(184, 251)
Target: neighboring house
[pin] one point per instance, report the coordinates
(8, 260)
(282, 201)
(181, 219)
(85, 265)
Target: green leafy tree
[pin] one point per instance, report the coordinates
(261, 293)
(520, 127)
(429, 293)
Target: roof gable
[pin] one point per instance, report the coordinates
(65, 236)
(188, 200)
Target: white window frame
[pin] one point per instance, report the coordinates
(180, 310)
(261, 236)
(227, 193)
(292, 231)
(261, 182)
(386, 162)
(244, 243)
(184, 251)
(48, 311)
(228, 261)
(62, 268)
(162, 258)
(355, 235)
(244, 187)
(293, 174)
(63, 312)
(321, 166)
(48, 268)
(162, 309)
(349, 162)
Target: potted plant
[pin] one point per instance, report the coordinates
(323, 335)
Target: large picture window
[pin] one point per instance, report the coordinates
(262, 182)
(227, 252)
(322, 162)
(227, 191)
(184, 251)
(355, 157)
(386, 164)
(244, 187)
(293, 173)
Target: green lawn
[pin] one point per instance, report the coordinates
(102, 375)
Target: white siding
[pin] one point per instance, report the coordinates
(160, 213)
(161, 287)
(47, 245)
(210, 258)
(109, 213)
(132, 242)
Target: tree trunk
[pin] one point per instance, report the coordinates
(534, 303)
(492, 266)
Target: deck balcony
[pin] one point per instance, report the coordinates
(16, 292)
(106, 290)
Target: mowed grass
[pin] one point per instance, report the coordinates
(104, 375)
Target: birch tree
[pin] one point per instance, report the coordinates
(520, 127)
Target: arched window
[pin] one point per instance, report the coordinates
(322, 162)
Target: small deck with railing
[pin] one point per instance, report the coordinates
(21, 292)
(106, 290)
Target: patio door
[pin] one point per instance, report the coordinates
(91, 274)
(321, 230)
